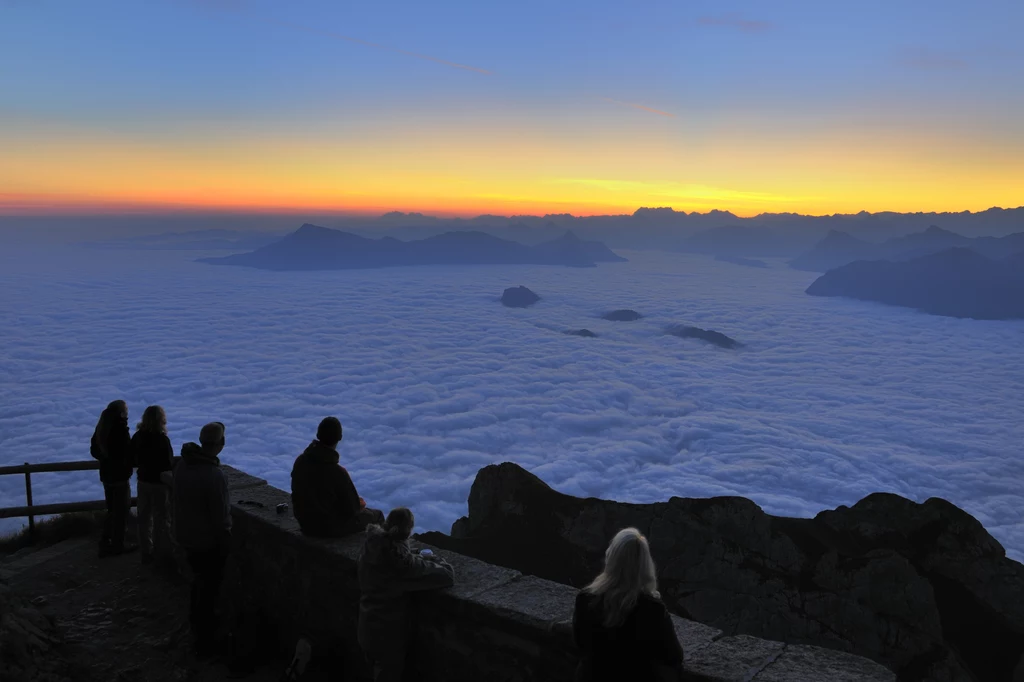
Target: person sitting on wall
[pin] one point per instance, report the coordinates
(620, 625)
(324, 499)
(111, 445)
(152, 453)
(202, 523)
(389, 571)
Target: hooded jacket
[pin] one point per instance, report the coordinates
(111, 445)
(324, 499)
(202, 508)
(389, 572)
(152, 454)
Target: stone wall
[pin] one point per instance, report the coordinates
(496, 624)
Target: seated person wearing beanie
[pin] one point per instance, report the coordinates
(324, 498)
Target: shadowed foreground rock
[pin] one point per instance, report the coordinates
(518, 297)
(922, 588)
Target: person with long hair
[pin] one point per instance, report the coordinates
(389, 572)
(153, 455)
(111, 445)
(620, 625)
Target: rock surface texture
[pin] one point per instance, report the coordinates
(922, 588)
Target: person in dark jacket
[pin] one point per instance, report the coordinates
(202, 524)
(152, 454)
(324, 499)
(389, 572)
(111, 445)
(620, 625)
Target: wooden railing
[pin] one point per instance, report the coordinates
(30, 510)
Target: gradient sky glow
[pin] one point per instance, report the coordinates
(511, 107)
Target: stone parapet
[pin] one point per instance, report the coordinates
(495, 624)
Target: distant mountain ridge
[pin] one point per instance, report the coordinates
(839, 248)
(664, 229)
(312, 247)
(956, 282)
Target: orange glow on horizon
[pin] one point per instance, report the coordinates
(451, 170)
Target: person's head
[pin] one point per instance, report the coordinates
(211, 437)
(399, 523)
(118, 408)
(154, 420)
(628, 572)
(115, 411)
(329, 431)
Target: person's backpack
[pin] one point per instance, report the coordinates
(96, 449)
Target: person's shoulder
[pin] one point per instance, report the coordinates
(584, 598)
(650, 604)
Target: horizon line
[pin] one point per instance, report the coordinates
(111, 209)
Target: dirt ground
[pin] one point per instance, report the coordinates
(118, 620)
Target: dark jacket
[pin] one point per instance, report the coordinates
(643, 648)
(152, 454)
(112, 446)
(324, 499)
(202, 508)
(389, 572)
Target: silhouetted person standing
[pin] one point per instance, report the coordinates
(152, 453)
(623, 630)
(324, 499)
(389, 572)
(111, 445)
(202, 520)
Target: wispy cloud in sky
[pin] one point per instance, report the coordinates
(736, 22)
(680, 191)
(641, 107)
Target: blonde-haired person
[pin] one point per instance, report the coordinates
(153, 454)
(620, 625)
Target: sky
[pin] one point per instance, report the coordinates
(461, 108)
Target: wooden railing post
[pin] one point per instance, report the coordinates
(28, 499)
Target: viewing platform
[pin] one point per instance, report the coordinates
(494, 624)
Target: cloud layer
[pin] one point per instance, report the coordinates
(828, 401)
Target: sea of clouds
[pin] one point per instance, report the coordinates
(828, 400)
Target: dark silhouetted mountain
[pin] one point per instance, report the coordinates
(569, 246)
(917, 244)
(518, 297)
(582, 332)
(319, 248)
(956, 282)
(837, 248)
(920, 587)
(746, 262)
(717, 338)
(622, 316)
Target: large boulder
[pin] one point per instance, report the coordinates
(922, 588)
(519, 297)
